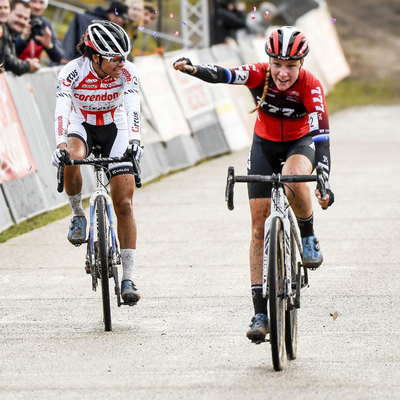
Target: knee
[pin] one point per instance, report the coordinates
(76, 149)
(257, 233)
(301, 190)
(123, 207)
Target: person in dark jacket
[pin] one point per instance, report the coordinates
(117, 13)
(39, 36)
(4, 13)
(228, 19)
(16, 22)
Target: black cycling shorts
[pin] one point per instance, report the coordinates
(113, 143)
(266, 157)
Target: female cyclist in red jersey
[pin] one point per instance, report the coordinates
(291, 122)
(98, 103)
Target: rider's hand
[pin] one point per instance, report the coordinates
(185, 65)
(60, 157)
(330, 198)
(134, 150)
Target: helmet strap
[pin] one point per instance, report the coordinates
(99, 63)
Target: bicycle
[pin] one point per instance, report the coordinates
(103, 255)
(283, 275)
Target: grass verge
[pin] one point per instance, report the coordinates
(351, 92)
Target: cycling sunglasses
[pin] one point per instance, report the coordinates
(118, 59)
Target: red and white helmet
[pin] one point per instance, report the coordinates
(107, 39)
(287, 43)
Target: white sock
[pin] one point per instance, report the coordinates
(75, 202)
(128, 262)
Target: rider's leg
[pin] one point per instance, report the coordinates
(73, 186)
(260, 209)
(122, 188)
(262, 160)
(72, 174)
(298, 164)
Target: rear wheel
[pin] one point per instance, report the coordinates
(277, 302)
(291, 309)
(103, 247)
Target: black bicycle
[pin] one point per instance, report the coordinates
(283, 273)
(103, 255)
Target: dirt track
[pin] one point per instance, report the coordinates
(186, 337)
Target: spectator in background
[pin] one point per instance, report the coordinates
(149, 13)
(146, 43)
(229, 18)
(257, 22)
(39, 35)
(16, 22)
(4, 13)
(117, 12)
(135, 19)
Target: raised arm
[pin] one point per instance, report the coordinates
(208, 73)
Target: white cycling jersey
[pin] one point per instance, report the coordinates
(84, 97)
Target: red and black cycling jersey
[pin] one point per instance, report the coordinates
(284, 115)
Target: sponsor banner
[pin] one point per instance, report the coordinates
(166, 112)
(227, 112)
(149, 131)
(16, 159)
(193, 94)
(226, 56)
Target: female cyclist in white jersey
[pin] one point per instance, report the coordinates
(98, 103)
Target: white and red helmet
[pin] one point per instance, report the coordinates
(287, 43)
(107, 39)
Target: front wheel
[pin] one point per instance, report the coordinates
(104, 248)
(277, 301)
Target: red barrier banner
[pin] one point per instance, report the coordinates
(16, 159)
